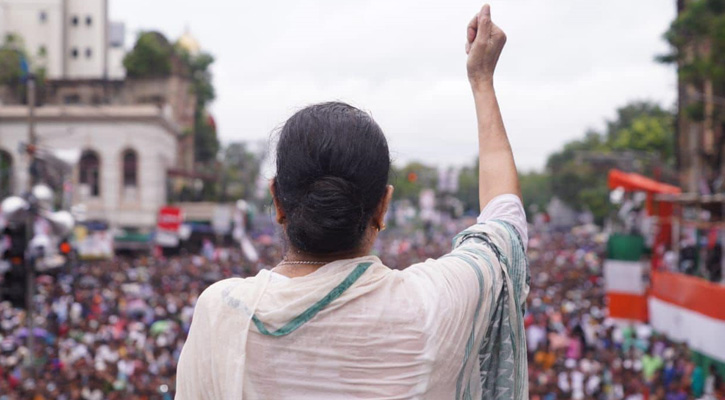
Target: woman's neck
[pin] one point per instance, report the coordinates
(297, 263)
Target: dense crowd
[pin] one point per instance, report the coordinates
(576, 351)
(114, 329)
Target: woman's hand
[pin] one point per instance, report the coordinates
(484, 43)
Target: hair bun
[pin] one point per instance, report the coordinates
(332, 168)
(329, 216)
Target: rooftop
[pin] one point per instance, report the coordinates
(144, 112)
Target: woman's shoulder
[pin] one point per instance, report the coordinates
(230, 292)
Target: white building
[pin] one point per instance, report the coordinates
(72, 39)
(126, 151)
(127, 132)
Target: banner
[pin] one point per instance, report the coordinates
(93, 244)
(170, 219)
(168, 226)
(689, 309)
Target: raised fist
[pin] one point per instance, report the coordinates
(484, 42)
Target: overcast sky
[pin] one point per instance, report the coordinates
(567, 65)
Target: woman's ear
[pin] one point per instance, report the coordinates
(379, 217)
(277, 207)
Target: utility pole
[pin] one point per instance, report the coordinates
(29, 225)
(31, 115)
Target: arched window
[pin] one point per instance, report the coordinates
(6, 174)
(130, 168)
(90, 172)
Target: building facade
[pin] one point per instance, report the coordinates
(133, 137)
(123, 155)
(70, 39)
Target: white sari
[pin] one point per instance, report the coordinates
(446, 328)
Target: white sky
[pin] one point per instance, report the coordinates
(567, 65)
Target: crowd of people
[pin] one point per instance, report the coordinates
(113, 329)
(576, 351)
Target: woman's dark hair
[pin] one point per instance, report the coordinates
(332, 171)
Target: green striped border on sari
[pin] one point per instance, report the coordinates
(309, 313)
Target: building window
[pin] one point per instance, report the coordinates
(43, 16)
(130, 168)
(6, 174)
(74, 53)
(74, 21)
(72, 99)
(89, 52)
(116, 33)
(89, 172)
(42, 51)
(89, 20)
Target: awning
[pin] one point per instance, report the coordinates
(133, 237)
(632, 182)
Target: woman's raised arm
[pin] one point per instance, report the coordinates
(497, 171)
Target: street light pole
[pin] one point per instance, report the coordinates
(29, 225)
(31, 113)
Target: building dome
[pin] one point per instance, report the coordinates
(189, 43)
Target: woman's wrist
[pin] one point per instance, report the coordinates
(482, 85)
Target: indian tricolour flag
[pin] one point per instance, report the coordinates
(624, 270)
(626, 289)
(689, 309)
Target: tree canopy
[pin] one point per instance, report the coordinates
(11, 56)
(697, 42)
(410, 179)
(15, 64)
(639, 139)
(206, 142)
(240, 170)
(153, 56)
(150, 56)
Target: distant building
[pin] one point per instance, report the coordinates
(125, 153)
(71, 39)
(134, 135)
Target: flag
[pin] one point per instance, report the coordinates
(689, 309)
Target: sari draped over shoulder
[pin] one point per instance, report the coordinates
(445, 328)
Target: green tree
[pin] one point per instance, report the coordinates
(11, 56)
(535, 190)
(200, 74)
(150, 56)
(577, 174)
(697, 43)
(154, 57)
(206, 143)
(412, 178)
(643, 127)
(468, 188)
(240, 170)
(642, 132)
